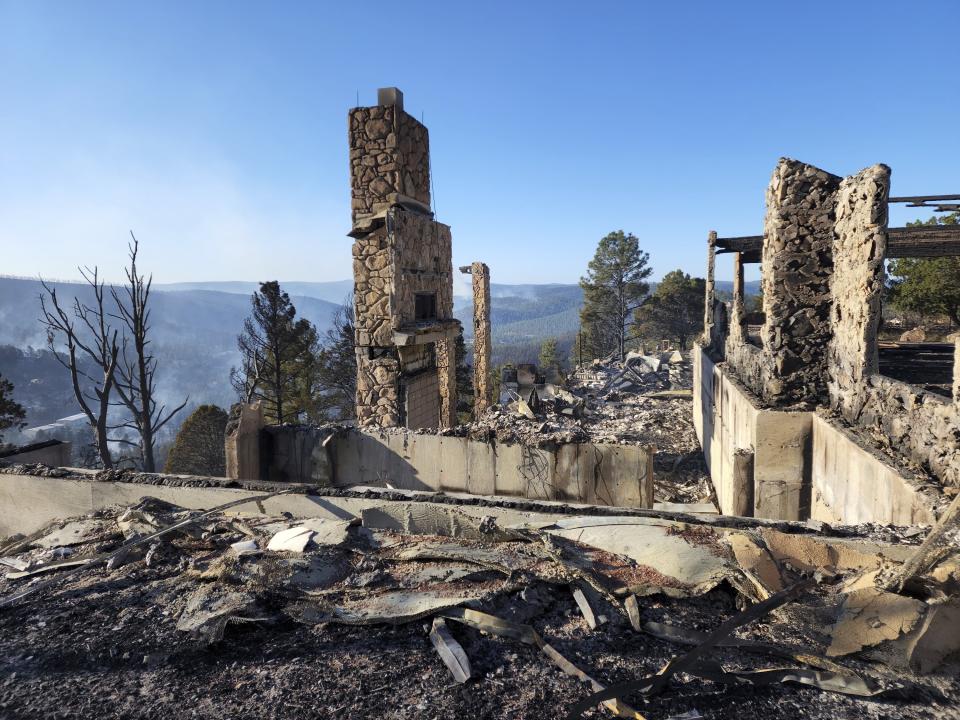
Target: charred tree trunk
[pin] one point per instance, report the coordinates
(87, 334)
(136, 386)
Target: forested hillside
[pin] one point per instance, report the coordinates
(194, 338)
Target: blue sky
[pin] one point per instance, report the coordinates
(217, 130)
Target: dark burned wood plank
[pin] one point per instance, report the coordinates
(918, 241)
(923, 241)
(745, 244)
(922, 198)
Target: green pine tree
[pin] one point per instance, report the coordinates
(675, 309)
(198, 449)
(278, 354)
(928, 286)
(613, 288)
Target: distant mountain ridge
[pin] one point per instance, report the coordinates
(335, 291)
(525, 312)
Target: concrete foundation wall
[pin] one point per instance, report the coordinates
(804, 464)
(28, 502)
(724, 420)
(727, 418)
(853, 485)
(620, 475)
(54, 453)
(297, 454)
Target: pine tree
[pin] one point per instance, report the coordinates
(675, 309)
(613, 289)
(332, 394)
(548, 361)
(12, 413)
(198, 449)
(278, 354)
(928, 286)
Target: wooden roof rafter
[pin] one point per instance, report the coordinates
(914, 241)
(936, 203)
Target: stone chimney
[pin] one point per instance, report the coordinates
(403, 274)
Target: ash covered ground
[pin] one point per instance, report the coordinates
(209, 622)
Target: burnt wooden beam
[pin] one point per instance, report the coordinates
(914, 241)
(923, 241)
(918, 200)
(745, 244)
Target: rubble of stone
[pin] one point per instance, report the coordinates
(171, 599)
(637, 374)
(601, 402)
(643, 401)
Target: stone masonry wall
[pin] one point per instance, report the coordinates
(482, 345)
(377, 390)
(373, 278)
(747, 361)
(389, 155)
(859, 248)
(424, 263)
(900, 417)
(797, 266)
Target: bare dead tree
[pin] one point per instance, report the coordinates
(248, 378)
(136, 371)
(87, 334)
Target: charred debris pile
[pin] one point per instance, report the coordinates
(426, 609)
(644, 400)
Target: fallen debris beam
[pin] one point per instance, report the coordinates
(687, 636)
(940, 542)
(450, 651)
(526, 634)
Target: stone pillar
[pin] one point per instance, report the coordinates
(710, 289)
(738, 325)
(482, 342)
(242, 441)
(859, 247)
(797, 267)
(956, 373)
(447, 380)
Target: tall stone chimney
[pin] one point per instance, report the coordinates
(403, 273)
